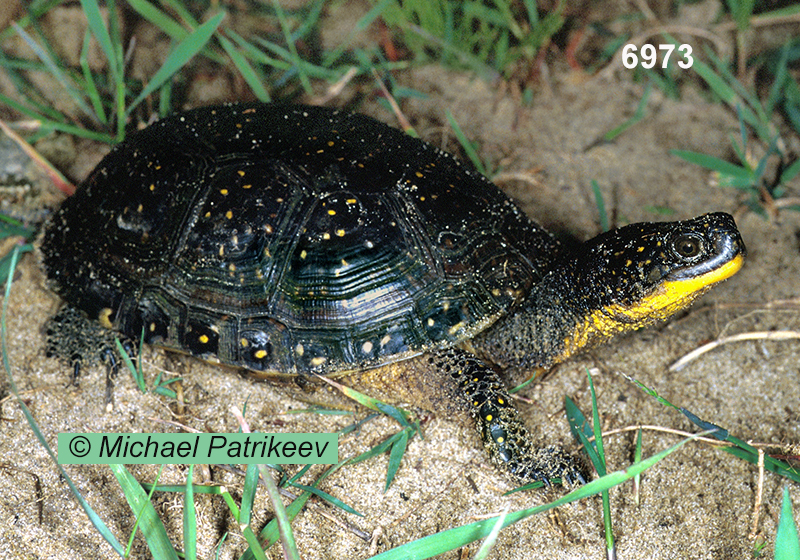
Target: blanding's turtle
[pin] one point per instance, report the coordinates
(294, 240)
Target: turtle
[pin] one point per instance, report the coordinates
(292, 241)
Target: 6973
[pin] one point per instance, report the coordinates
(649, 56)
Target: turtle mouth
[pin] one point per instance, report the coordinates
(725, 254)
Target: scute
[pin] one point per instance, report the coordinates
(291, 239)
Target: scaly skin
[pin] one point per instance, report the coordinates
(504, 435)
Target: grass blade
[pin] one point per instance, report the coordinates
(96, 24)
(637, 116)
(787, 546)
(715, 164)
(468, 146)
(328, 498)
(491, 540)
(295, 58)
(147, 520)
(55, 70)
(245, 69)
(396, 456)
(601, 206)
(182, 54)
(158, 18)
(248, 495)
(189, 519)
(89, 84)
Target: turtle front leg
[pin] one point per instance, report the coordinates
(504, 435)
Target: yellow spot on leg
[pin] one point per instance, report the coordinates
(105, 317)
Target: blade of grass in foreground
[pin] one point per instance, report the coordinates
(182, 54)
(189, 519)
(147, 520)
(787, 546)
(452, 539)
(95, 519)
(55, 70)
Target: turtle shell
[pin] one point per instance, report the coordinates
(291, 239)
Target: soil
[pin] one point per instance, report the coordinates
(697, 503)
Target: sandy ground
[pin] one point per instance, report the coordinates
(696, 504)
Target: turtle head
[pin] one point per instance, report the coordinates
(617, 282)
(642, 273)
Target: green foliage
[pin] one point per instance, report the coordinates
(489, 37)
(753, 176)
(735, 447)
(9, 228)
(590, 436)
(104, 101)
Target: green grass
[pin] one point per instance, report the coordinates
(492, 39)
(108, 101)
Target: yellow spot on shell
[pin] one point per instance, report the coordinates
(455, 328)
(241, 173)
(340, 232)
(331, 212)
(223, 191)
(203, 339)
(318, 361)
(244, 342)
(260, 354)
(248, 186)
(229, 214)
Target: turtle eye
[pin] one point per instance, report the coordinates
(687, 246)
